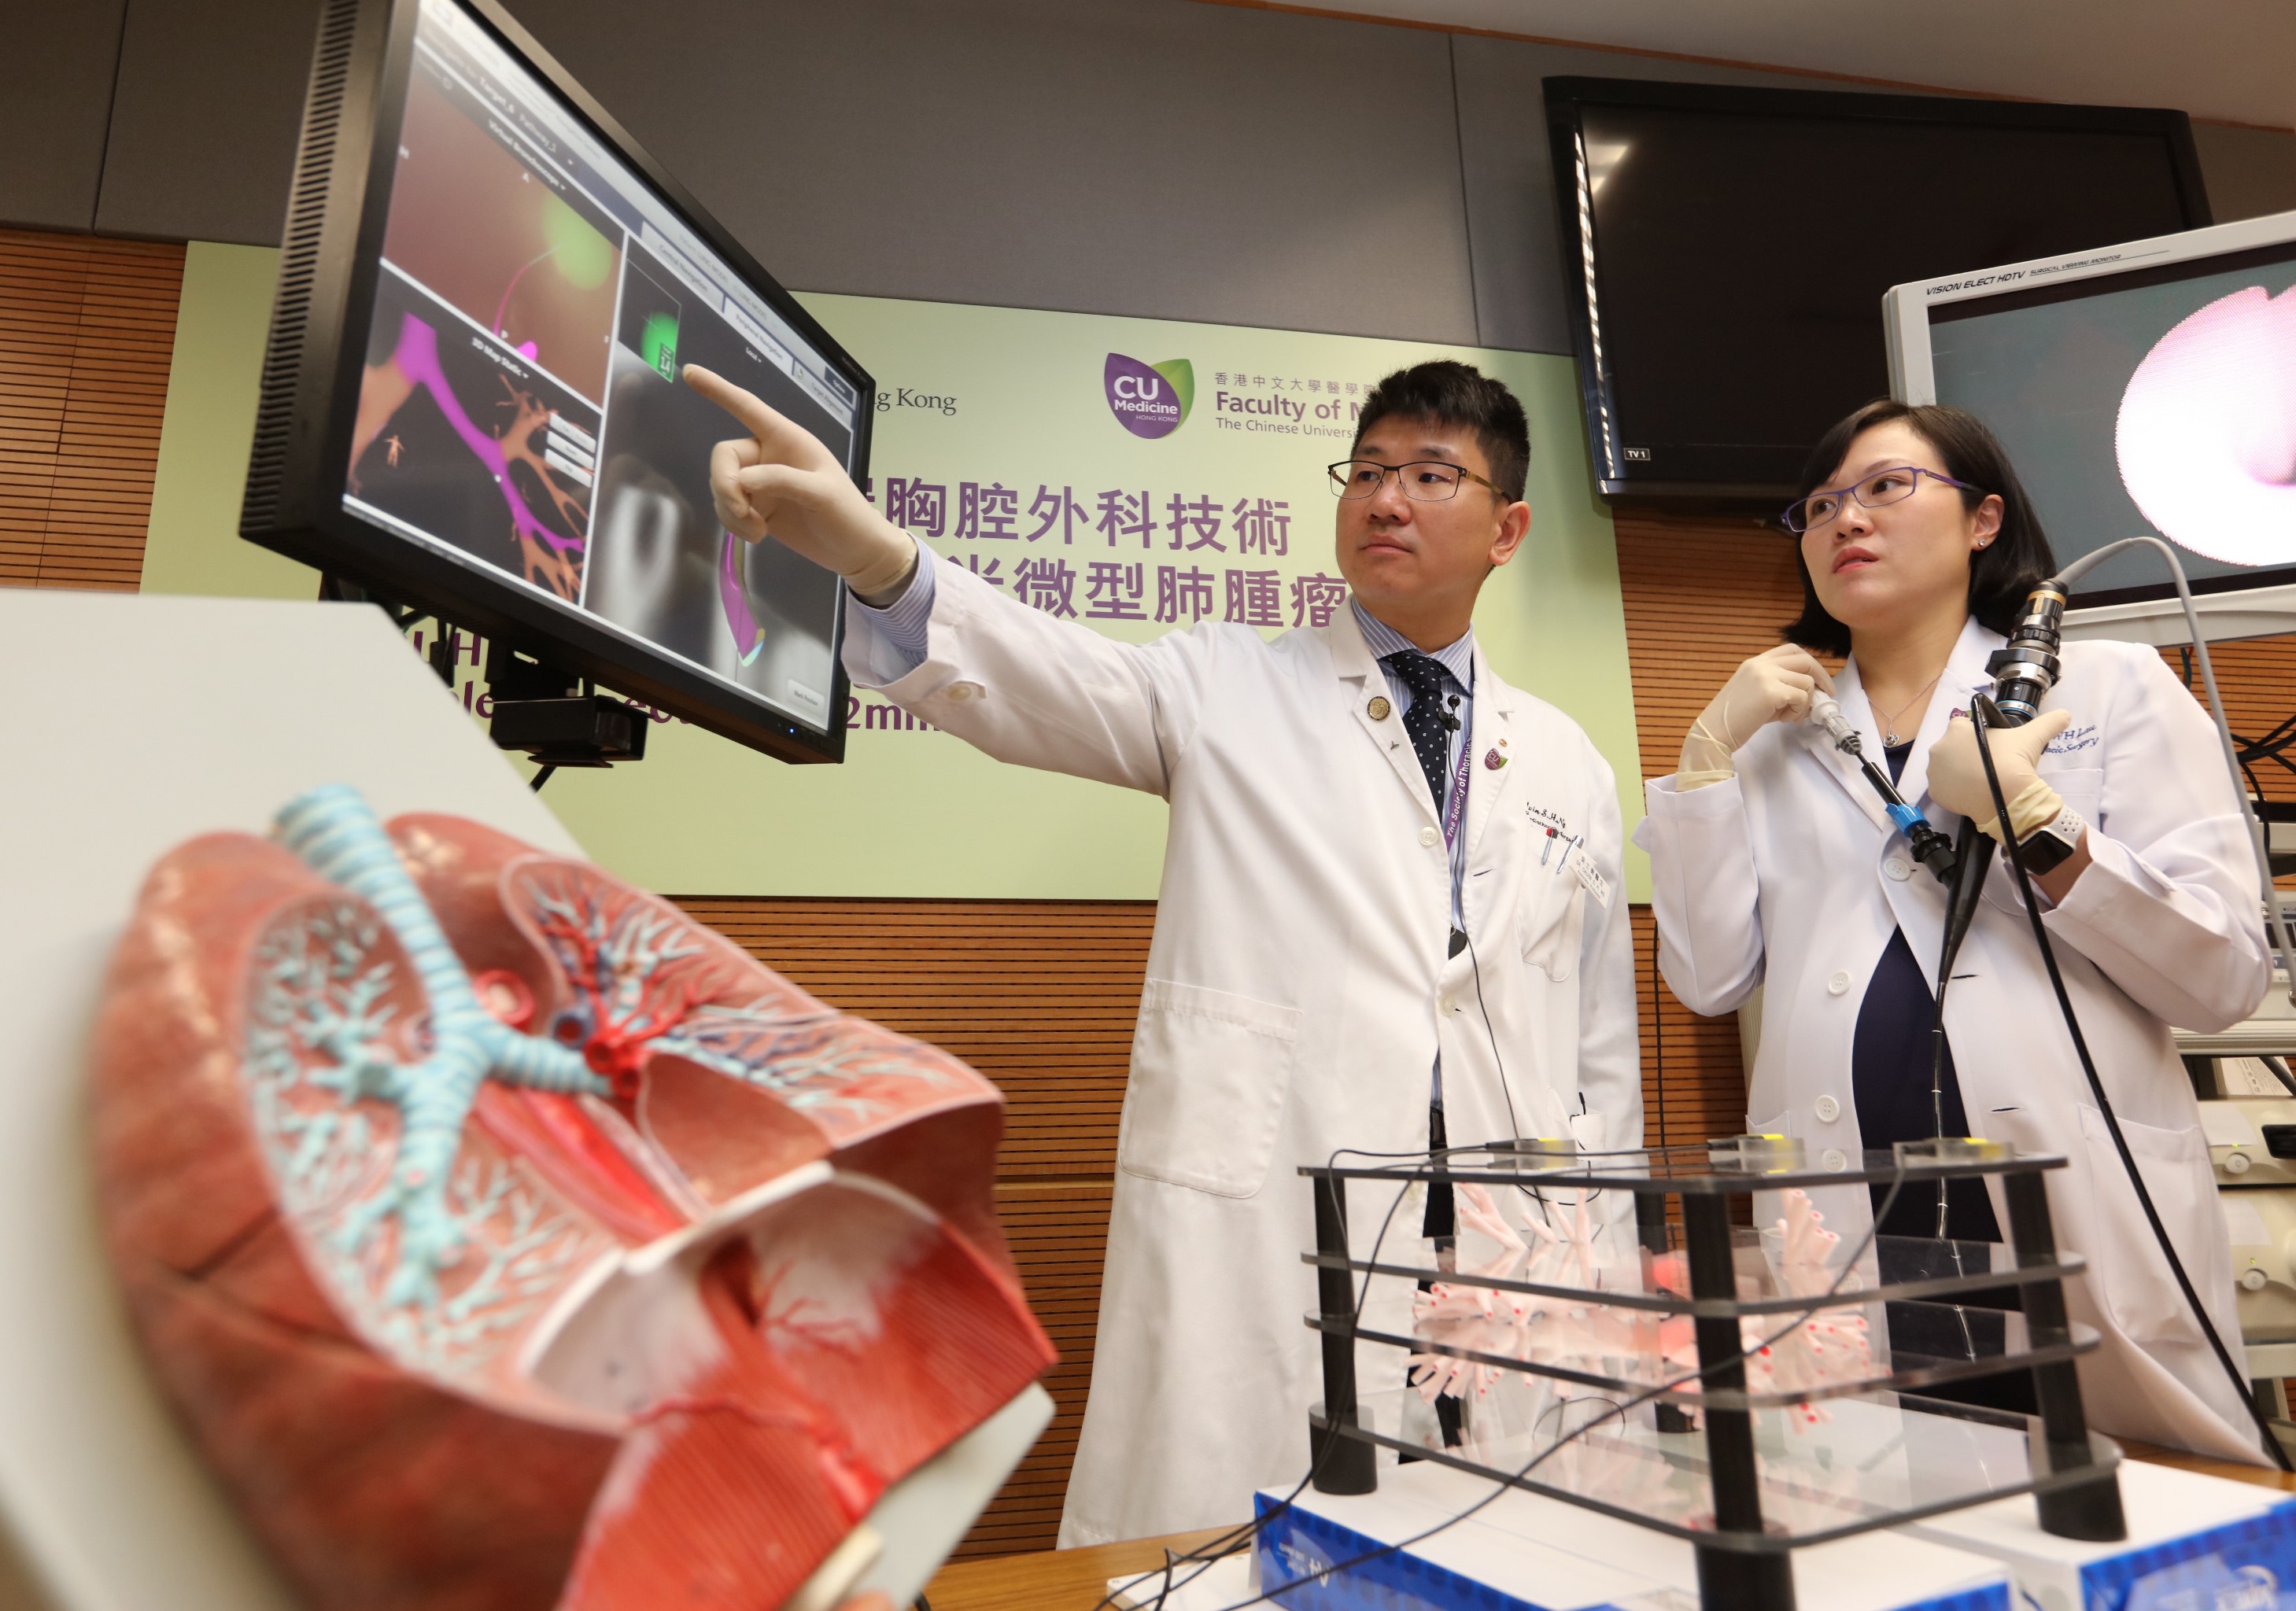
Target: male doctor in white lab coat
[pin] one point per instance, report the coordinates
(1392, 904)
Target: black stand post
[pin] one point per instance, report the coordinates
(1650, 1230)
(1341, 1464)
(1729, 1579)
(2090, 1511)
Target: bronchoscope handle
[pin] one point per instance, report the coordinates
(1972, 850)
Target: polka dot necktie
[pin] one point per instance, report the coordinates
(1424, 676)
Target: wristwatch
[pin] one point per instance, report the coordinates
(2047, 845)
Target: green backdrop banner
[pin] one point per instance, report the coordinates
(1134, 475)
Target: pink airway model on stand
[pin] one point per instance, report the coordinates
(2206, 434)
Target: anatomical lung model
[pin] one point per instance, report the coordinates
(508, 1240)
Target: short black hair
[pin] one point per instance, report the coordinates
(1451, 393)
(2001, 575)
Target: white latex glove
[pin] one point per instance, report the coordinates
(780, 482)
(1957, 772)
(1773, 686)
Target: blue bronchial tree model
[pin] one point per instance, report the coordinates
(335, 833)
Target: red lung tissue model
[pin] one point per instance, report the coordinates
(508, 1240)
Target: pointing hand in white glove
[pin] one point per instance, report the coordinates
(780, 482)
(1773, 686)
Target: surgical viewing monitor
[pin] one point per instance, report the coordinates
(2148, 389)
(471, 400)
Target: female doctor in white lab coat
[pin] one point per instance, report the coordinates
(1774, 866)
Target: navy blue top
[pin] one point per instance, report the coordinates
(1889, 1073)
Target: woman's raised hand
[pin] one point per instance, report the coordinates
(780, 482)
(1773, 686)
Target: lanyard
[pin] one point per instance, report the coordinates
(1458, 805)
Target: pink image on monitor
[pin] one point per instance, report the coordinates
(2206, 434)
(749, 637)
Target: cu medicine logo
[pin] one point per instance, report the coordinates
(1150, 400)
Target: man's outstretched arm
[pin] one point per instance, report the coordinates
(1012, 681)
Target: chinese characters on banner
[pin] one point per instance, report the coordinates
(1170, 557)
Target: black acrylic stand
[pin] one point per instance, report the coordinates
(1742, 1564)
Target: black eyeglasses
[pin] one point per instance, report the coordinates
(1882, 486)
(1428, 481)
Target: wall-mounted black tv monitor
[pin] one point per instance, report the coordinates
(1726, 252)
(471, 405)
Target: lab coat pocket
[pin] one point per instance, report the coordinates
(2127, 1272)
(1554, 925)
(1209, 1074)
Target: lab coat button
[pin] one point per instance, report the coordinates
(1828, 1109)
(1834, 1159)
(1428, 836)
(959, 692)
(1898, 868)
(1839, 984)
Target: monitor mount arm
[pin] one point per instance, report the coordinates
(557, 718)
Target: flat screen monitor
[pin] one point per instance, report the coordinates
(471, 400)
(2146, 390)
(1725, 250)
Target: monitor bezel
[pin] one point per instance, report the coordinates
(1569, 97)
(1905, 317)
(330, 268)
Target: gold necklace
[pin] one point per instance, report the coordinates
(1889, 739)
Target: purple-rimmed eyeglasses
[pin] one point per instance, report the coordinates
(1882, 486)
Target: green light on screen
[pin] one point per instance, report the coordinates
(584, 255)
(658, 344)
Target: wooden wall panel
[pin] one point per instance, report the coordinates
(87, 330)
(1040, 996)
(1693, 1087)
(1700, 596)
(2258, 680)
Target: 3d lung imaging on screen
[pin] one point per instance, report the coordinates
(521, 406)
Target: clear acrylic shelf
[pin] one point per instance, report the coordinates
(1878, 1461)
(1750, 1389)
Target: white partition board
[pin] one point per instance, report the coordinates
(136, 721)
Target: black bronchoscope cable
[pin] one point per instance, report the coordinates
(2276, 924)
(1983, 716)
(2030, 658)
